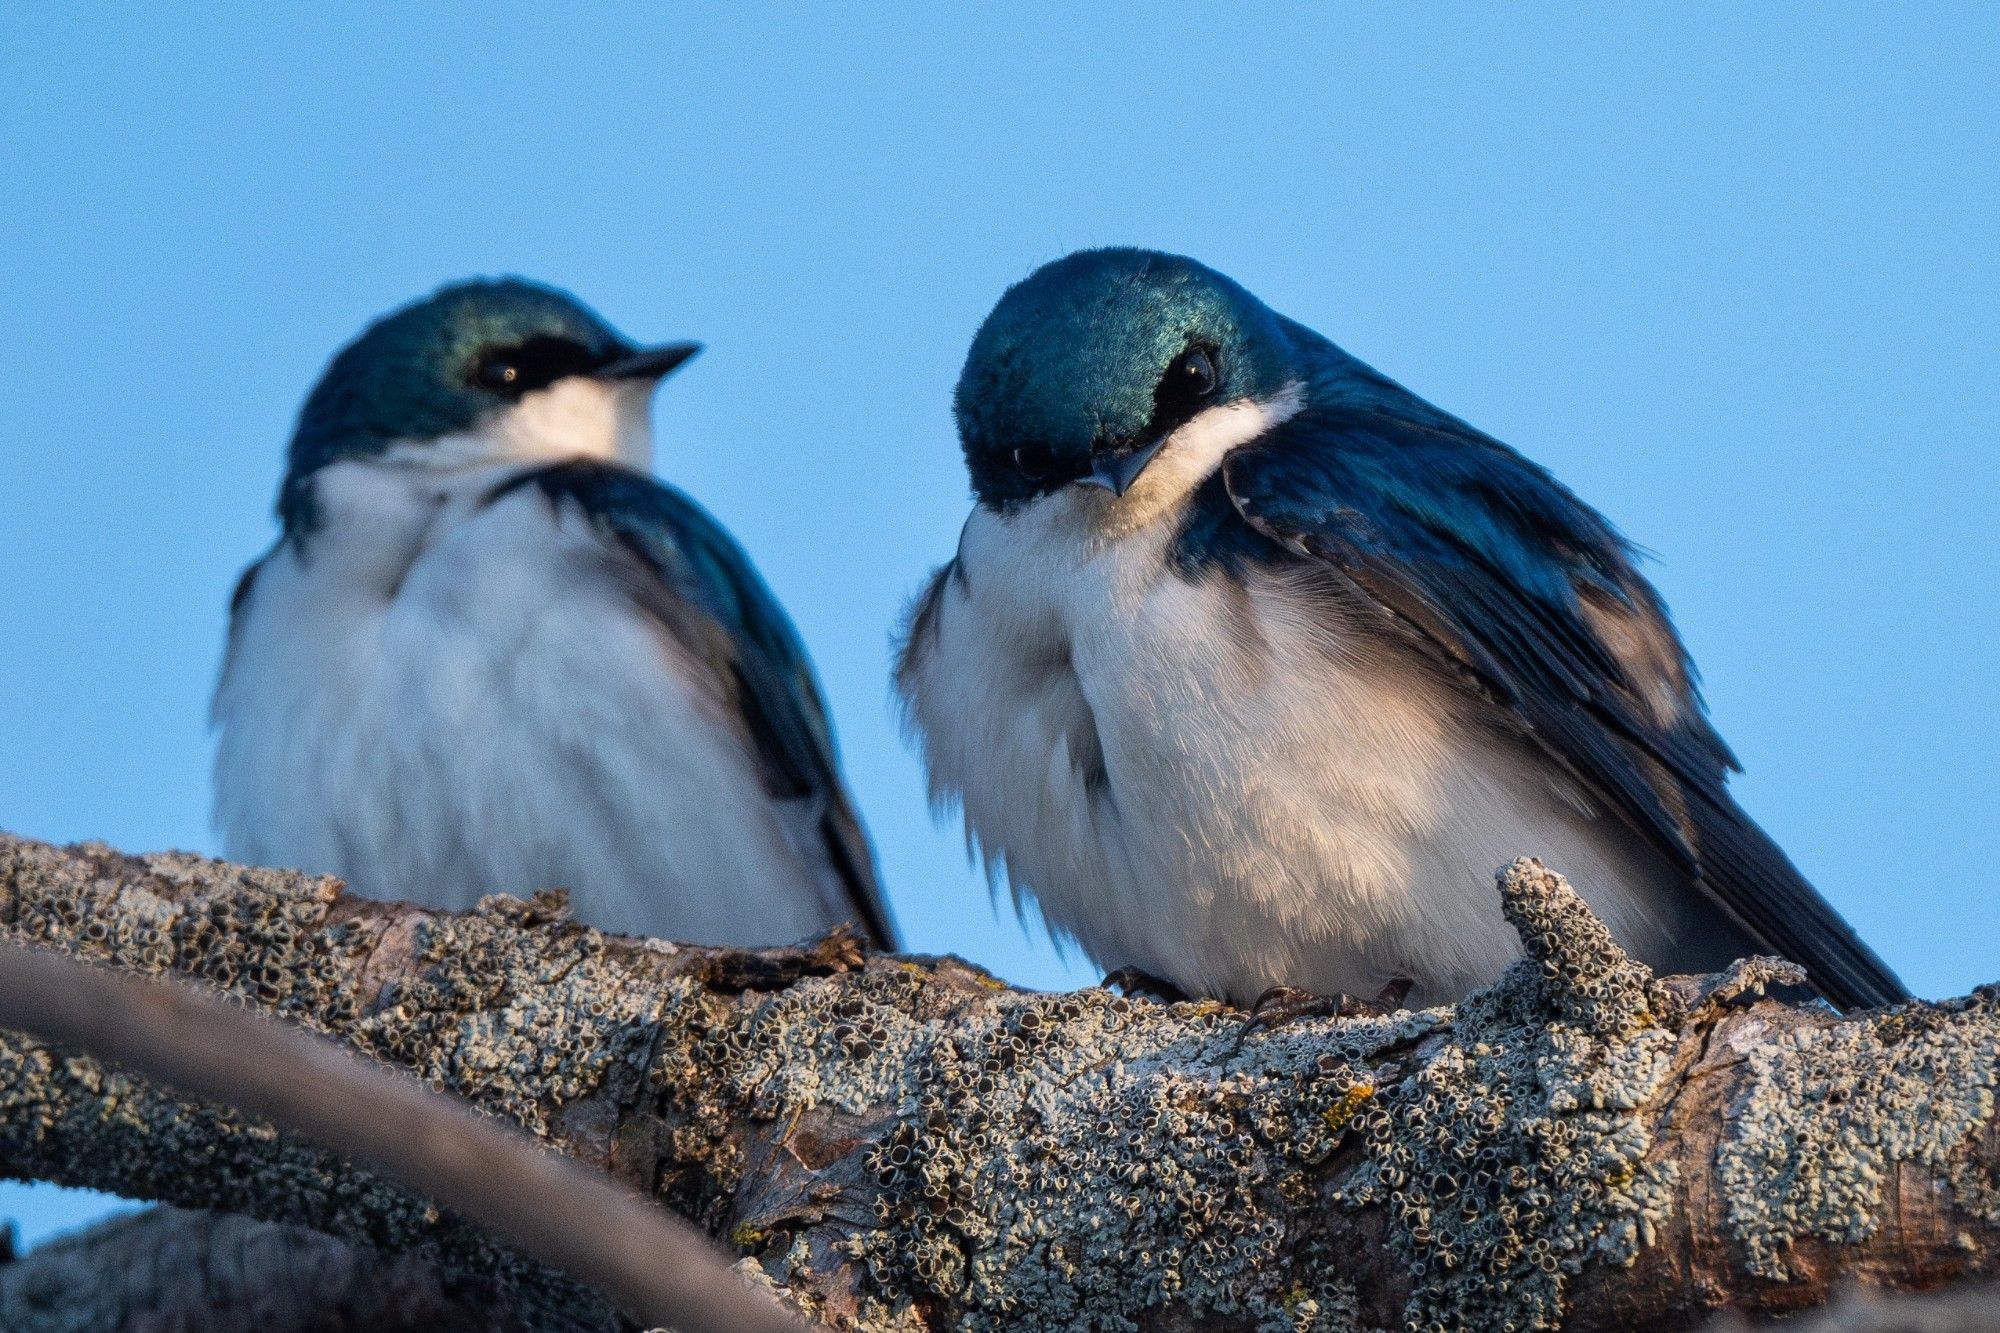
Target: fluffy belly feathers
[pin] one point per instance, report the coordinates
(1208, 780)
(489, 713)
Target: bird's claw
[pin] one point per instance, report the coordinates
(733, 971)
(1287, 1004)
(1390, 998)
(1135, 982)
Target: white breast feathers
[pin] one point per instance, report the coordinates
(438, 697)
(1217, 777)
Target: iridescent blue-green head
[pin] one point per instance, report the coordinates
(479, 372)
(1088, 366)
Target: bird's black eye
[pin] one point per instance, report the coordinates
(1190, 379)
(1037, 462)
(497, 372)
(534, 364)
(1195, 371)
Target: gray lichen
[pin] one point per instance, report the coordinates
(536, 1020)
(267, 937)
(911, 1145)
(1025, 1181)
(1830, 1111)
(1034, 1178)
(1512, 1155)
(533, 1019)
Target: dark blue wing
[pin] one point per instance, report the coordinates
(1485, 564)
(699, 584)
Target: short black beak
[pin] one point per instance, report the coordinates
(1117, 472)
(648, 363)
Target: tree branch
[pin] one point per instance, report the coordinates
(577, 1220)
(910, 1145)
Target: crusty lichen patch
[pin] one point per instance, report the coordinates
(514, 1002)
(1513, 1155)
(912, 1146)
(1061, 1186)
(536, 1020)
(1030, 1176)
(525, 1021)
(1031, 1173)
(1830, 1111)
(255, 933)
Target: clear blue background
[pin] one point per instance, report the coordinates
(1731, 275)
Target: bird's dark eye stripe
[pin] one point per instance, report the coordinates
(534, 364)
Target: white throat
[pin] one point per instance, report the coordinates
(1188, 458)
(576, 417)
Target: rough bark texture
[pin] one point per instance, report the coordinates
(908, 1144)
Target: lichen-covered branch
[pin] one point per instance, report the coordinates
(656, 1267)
(906, 1144)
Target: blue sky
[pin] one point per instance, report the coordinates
(1730, 273)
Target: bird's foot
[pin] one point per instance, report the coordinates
(1287, 1004)
(733, 971)
(1135, 982)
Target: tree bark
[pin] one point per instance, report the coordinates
(907, 1144)
(601, 1232)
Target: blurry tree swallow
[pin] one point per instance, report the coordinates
(489, 653)
(1252, 666)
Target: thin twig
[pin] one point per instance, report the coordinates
(655, 1266)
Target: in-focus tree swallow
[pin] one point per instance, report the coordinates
(1252, 667)
(490, 654)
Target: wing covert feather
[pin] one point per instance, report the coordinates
(690, 575)
(1484, 564)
